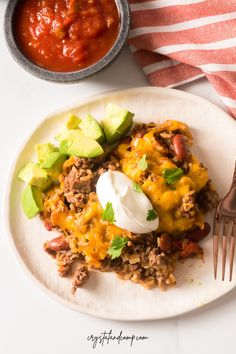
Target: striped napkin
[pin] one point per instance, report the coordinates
(178, 41)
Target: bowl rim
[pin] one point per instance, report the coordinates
(66, 77)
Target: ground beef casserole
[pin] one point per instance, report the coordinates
(72, 207)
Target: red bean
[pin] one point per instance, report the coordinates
(165, 242)
(48, 225)
(199, 234)
(180, 148)
(58, 244)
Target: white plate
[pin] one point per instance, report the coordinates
(105, 295)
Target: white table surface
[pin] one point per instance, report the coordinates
(30, 321)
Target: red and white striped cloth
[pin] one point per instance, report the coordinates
(177, 41)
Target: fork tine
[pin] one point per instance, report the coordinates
(225, 236)
(225, 220)
(215, 253)
(232, 248)
(217, 227)
(224, 250)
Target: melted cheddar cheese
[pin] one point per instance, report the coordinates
(86, 232)
(166, 199)
(89, 235)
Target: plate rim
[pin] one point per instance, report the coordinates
(9, 181)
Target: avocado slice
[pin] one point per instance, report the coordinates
(117, 122)
(71, 125)
(43, 150)
(73, 122)
(67, 134)
(92, 129)
(32, 201)
(34, 175)
(85, 148)
(50, 159)
(53, 161)
(65, 145)
(62, 135)
(68, 139)
(77, 144)
(53, 165)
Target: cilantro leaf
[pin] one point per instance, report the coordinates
(142, 164)
(108, 213)
(172, 175)
(117, 245)
(137, 187)
(151, 215)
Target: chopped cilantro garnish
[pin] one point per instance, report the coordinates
(151, 215)
(108, 213)
(142, 164)
(137, 187)
(172, 175)
(117, 245)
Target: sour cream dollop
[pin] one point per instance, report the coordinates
(130, 207)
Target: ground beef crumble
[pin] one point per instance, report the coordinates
(78, 183)
(80, 177)
(157, 259)
(80, 278)
(188, 208)
(207, 198)
(65, 261)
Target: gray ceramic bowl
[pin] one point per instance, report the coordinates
(67, 77)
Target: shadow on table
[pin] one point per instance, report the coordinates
(123, 73)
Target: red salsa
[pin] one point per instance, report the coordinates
(66, 35)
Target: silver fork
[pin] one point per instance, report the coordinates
(225, 229)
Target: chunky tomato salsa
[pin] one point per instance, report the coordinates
(66, 35)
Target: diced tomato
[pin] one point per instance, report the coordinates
(189, 249)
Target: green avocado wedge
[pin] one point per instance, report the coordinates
(43, 150)
(117, 122)
(89, 149)
(73, 122)
(68, 139)
(71, 125)
(92, 129)
(50, 159)
(32, 201)
(53, 161)
(80, 145)
(34, 175)
(68, 135)
(53, 165)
